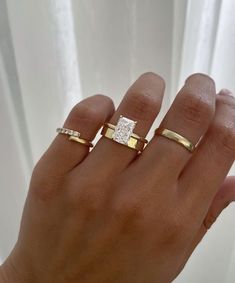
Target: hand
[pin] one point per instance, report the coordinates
(114, 216)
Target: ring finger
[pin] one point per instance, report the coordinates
(189, 116)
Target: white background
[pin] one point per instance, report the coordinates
(53, 53)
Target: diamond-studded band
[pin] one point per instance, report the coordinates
(68, 132)
(74, 136)
(123, 133)
(175, 137)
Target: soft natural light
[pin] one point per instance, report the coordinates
(55, 53)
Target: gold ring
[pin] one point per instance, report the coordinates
(175, 137)
(123, 134)
(74, 136)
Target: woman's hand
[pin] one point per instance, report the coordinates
(114, 216)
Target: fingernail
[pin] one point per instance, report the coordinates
(226, 91)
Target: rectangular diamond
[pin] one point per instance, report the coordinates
(123, 130)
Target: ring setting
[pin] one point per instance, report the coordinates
(74, 136)
(124, 130)
(123, 133)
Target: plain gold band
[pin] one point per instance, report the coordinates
(175, 137)
(133, 143)
(82, 141)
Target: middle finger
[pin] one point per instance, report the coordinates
(141, 103)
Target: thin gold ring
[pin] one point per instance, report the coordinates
(74, 136)
(175, 137)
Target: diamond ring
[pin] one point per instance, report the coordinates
(123, 133)
(74, 136)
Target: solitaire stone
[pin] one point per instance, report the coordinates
(123, 130)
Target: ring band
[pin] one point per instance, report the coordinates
(74, 136)
(122, 133)
(175, 137)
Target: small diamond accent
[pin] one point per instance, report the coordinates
(68, 132)
(76, 134)
(123, 130)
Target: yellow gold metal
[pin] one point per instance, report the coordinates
(135, 142)
(74, 136)
(80, 140)
(175, 137)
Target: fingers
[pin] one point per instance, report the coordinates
(141, 103)
(86, 117)
(190, 116)
(213, 159)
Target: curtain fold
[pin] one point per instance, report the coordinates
(53, 53)
(14, 166)
(46, 57)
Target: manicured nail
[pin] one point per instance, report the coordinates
(226, 91)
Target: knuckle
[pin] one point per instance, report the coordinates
(84, 197)
(44, 184)
(175, 231)
(84, 113)
(129, 215)
(175, 226)
(143, 104)
(224, 136)
(223, 126)
(86, 203)
(195, 109)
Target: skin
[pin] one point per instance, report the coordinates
(114, 216)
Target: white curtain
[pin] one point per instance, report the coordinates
(53, 53)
